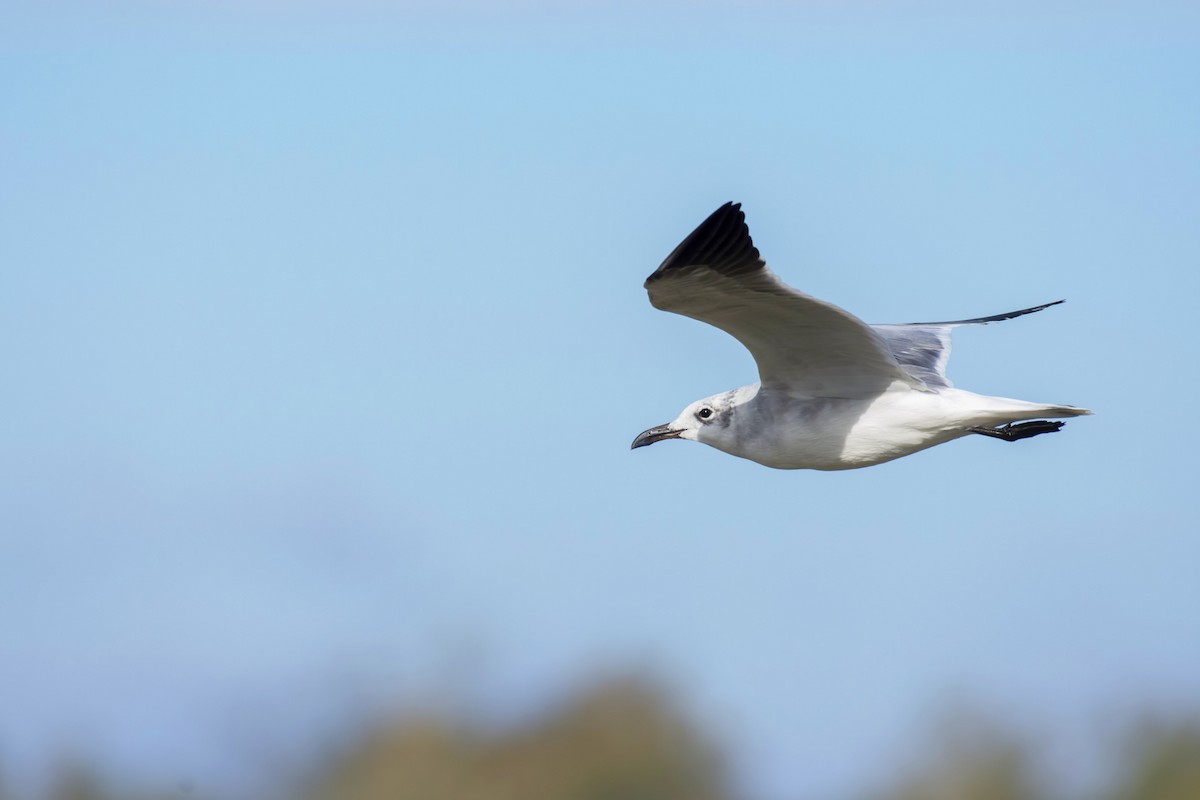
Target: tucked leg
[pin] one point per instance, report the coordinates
(1012, 432)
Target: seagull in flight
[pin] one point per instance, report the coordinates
(833, 392)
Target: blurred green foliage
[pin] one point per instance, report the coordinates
(1167, 764)
(623, 739)
(619, 740)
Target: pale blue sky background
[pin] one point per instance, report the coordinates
(324, 341)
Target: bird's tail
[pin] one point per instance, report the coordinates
(1004, 409)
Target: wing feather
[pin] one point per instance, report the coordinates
(923, 348)
(802, 345)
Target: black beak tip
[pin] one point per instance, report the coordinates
(655, 434)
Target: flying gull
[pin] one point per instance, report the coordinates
(833, 391)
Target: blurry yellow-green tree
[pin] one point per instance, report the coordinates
(968, 757)
(973, 759)
(618, 741)
(1164, 764)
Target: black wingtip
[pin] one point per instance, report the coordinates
(995, 317)
(721, 243)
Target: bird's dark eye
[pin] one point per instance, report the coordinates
(704, 413)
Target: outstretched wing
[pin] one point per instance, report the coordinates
(802, 345)
(923, 348)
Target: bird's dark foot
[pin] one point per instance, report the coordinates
(1011, 432)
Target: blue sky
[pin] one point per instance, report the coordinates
(324, 342)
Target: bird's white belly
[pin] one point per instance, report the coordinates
(899, 424)
(839, 434)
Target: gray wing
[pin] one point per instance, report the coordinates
(801, 344)
(923, 348)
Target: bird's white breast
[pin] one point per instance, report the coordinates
(841, 433)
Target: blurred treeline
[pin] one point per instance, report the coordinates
(625, 739)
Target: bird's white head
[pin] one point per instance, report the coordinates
(711, 421)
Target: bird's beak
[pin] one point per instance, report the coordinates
(656, 434)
